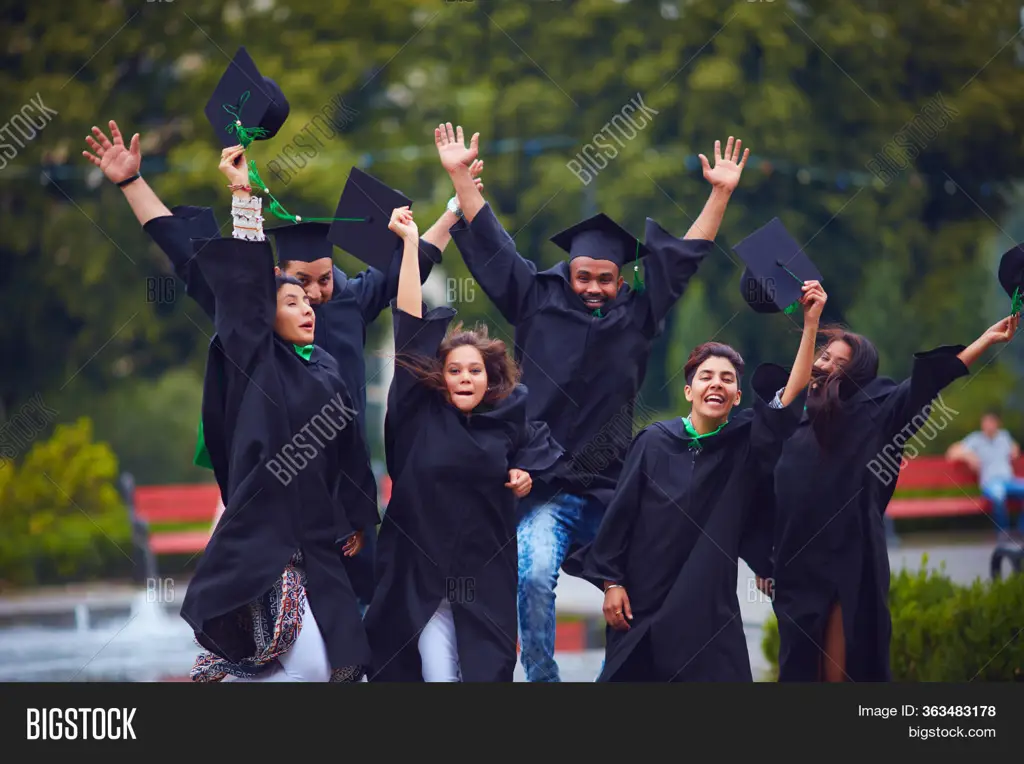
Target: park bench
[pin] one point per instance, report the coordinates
(934, 473)
(161, 514)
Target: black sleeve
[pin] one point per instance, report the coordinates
(668, 268)
(356, 499)
(605, 558)
(241, 277)
(537, 450)
(909, 405)
(415, 338)
(771, 426)
(508, 279)
(171, 235)
(375, 290)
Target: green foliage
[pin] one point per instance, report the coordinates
(908, 255)
(944, 632)
(61, 517)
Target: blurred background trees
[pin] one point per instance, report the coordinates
(816, 90)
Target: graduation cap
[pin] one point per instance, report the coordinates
(304, 242)
(200, 221)
(776, 268)
(361, 221)
(601, 238)
(1011, 277)
(245, 105)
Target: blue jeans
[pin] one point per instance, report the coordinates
(545, 534)
(997, 492)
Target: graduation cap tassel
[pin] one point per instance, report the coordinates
(277, 209)
(638, 282)
(1016, 302)
(245, 135)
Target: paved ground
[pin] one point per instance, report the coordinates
(103, 632)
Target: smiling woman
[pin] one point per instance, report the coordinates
(461, 452)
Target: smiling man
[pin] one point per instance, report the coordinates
(583, 338)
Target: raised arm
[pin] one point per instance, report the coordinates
(240, 271)
(121, 164)
(672, 262)
(813, 302)
(508, 279)
(439, 234)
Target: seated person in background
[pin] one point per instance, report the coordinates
(990, 452)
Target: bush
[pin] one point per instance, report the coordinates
(943, 632)
(61, 517)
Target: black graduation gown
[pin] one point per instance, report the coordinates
(449, 530)
(679, 518)
(830, 537)
(341, 326)
(583, 371)
(259, 396)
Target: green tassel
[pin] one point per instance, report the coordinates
(597, 314)
(792, 308)
(638, 282)
(277, 209)
(1016, 303)
(245, 135)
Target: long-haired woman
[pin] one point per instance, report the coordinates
(833, 482)
(270, 599)
(460, 451)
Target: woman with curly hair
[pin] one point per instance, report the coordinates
(460, 452)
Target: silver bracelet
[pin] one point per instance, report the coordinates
(615, 586)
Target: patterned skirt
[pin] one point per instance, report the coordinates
(274, 621)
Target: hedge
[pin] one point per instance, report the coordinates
(946, 632)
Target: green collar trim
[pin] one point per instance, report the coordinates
(697, 437)
(304, 351)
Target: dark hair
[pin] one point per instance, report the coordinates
(284, 278)
(703, 352)
(502, 371)
(992, 413)
(826, 401)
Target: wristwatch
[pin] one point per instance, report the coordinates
(453, 207)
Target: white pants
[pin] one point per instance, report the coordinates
(438, 651)
(306, 661)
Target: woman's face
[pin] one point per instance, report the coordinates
(294, 321)
(714, 390)
(835, 355)
(466, 377)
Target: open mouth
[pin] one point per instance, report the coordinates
(464, 393)
(307, 325)
(592, 301)
(714, 399)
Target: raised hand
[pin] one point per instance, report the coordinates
(403, 224)
(813, 300)
(451, 147)
(117, 161)
(1002, 331)
(233, 165)
(728, 168)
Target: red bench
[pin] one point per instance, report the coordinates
(177, 504)
(180, 504)
(933, 473)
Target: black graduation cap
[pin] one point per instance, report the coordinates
(304, 242)
(600, 238)
(200, 220)
(776, 268)
(365, 211)
(1011, 276)
(246, 96)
